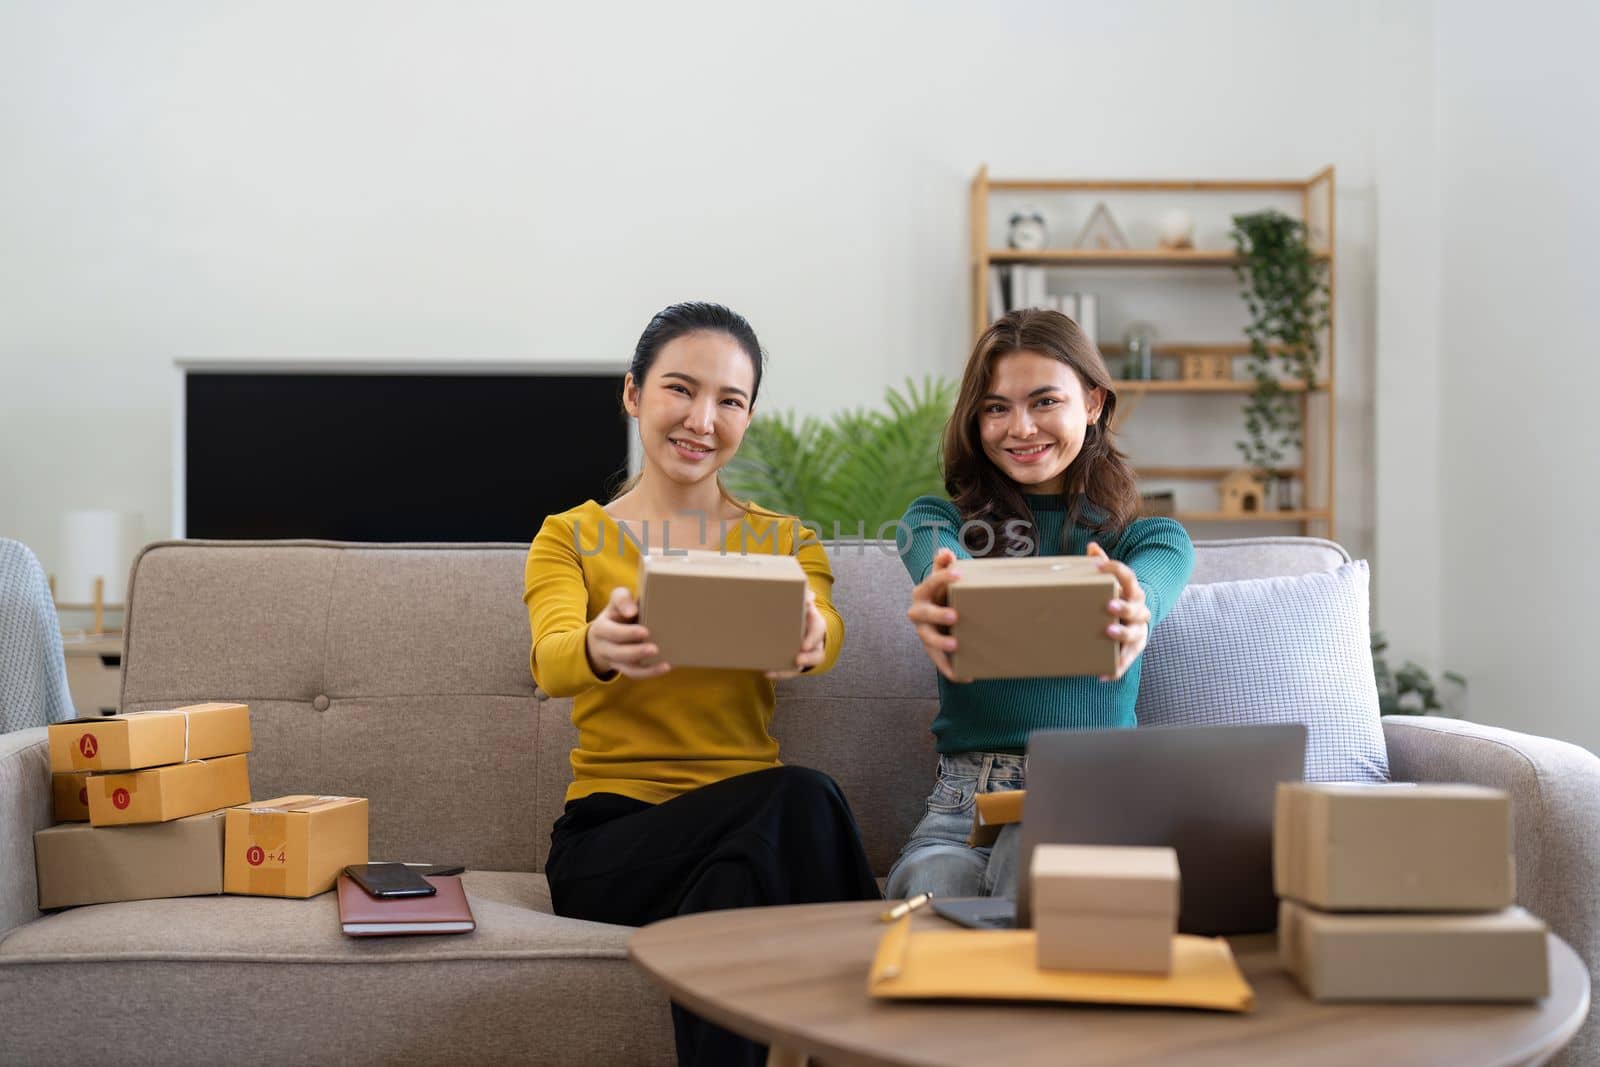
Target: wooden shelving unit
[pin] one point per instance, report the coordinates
(1242, 386)
(1314, 472)
(1117, 257)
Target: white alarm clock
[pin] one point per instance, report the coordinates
(1027, 231)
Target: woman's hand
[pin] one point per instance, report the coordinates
(1131, 626)
(616, 643)
(811, 643)
(931, 617)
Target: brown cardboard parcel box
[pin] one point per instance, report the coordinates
(293, 846)
(1498, 955)
(82, 864)
(141, 739)
(161, 794)
(1032, 617)
(1393, 847)
(707, 609)
(992, 812)
(70, 792)
(1105, 907)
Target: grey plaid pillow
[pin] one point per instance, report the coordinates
(1274, 650)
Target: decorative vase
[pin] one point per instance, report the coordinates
(1138, 342)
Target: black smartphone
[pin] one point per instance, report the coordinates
(434, 870)
(389, 880)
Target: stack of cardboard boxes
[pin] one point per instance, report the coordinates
(141, 806)
(1105, 907)
(1402, 892)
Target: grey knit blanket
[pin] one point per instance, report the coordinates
(33, 674)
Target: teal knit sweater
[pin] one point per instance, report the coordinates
(998, 714)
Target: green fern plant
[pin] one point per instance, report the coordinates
(858, 469)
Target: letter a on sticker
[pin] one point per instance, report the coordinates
(88, 746)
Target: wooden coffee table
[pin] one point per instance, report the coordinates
(795, 978)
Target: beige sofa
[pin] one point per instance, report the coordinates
(400, 673)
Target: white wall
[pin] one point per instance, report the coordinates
(1520, 367)
(529, 182)
(1399, 79)
(520, 181)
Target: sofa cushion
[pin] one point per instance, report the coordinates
(1274, 650)
(466, 998)
(1238, 558)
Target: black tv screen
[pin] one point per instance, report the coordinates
(396, 457)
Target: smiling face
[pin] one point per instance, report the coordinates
(693, 405)
(1033, 417)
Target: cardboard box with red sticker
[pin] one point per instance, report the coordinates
(293, 846)
(161, 794)
(140, 739)
(71, 795)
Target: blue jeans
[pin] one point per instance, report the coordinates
(937, 858)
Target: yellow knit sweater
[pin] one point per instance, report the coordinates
(660, 737)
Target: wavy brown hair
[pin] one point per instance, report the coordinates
(1099, 474)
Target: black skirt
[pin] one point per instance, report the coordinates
(779, 836)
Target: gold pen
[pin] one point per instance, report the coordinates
(905, 907)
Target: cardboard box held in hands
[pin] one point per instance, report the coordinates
(1032, 617)
(738, 612)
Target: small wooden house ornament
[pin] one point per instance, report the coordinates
(1101, 231)
(1243, 492)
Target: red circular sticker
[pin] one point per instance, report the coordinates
(83, 796)
(120, 798)
(255, 856)
(88, 746)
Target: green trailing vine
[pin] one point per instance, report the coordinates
(1285, 287)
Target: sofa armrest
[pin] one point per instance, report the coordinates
(25, 804)
(1555, 819)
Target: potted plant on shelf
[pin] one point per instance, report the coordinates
(1284, 285)
(859, 470)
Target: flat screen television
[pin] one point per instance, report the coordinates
(393, 456)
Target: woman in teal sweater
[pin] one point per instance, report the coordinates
(1032, 469)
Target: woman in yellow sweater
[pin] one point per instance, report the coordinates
(678, 802)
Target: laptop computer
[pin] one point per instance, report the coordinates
(1207, 791)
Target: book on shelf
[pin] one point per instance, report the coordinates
(1088, 316)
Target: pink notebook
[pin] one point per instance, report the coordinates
(446, 912)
